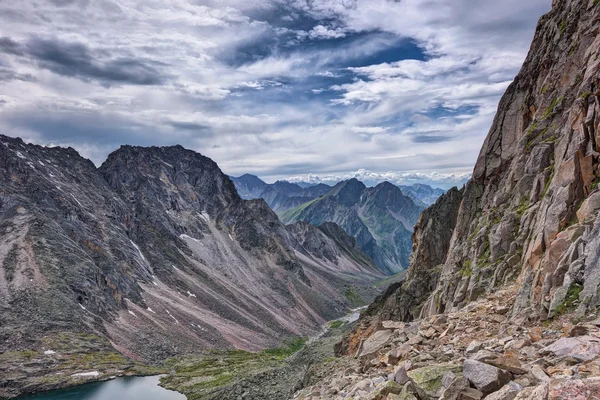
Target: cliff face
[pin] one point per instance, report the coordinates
(529, 215)
(530, 212)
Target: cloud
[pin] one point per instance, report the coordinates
(278, 88)
(370, 178)
(75, 59)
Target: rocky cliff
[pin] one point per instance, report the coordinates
(155, 252)
(529, 214)
(380, 218)
(501, 298)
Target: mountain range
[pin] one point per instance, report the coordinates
(380, 218)
(252, 187)
(156, 252)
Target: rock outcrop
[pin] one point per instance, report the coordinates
(529, 214)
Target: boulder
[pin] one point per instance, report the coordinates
(508, 362)
(534, 393)
(375, 342)
(508, 392)
(575, 389)
(583, 348)
(401, 376)
(383, 390)
(392, 325)
(485, 377)
(453, 390)
(428, 380)
(470, 394)
(539, 374)
(474, 347)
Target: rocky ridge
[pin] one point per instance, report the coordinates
(155, 252)
(380, 218)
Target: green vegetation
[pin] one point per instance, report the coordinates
(522, 206)
(549, 180)
(562, 27)
(292, 214)
(587, 94)
(570, 300)
(533, 139)
(595, 183)
(550, 110)
(466, 269)
(200, 376)
(72, 353)
(336, 324)
(353, 297)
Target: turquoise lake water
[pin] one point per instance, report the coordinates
(128, 388)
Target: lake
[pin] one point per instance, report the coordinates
(127, 388)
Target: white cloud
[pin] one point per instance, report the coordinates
(261, 88)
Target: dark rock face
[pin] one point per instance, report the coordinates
(381, 219)
(249, 186)
(529, 217)
(156, 251)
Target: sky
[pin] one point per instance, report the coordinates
(303, 90)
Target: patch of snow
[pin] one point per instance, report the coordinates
(31, 164)
(166, 163)
(51, 175)
(82, 307)
(58, 187)
(81, 205)
(91, 373)
(20, 155)
(168, 312)
(132, 313)
(49, 352)
(191, 238)
(41, 163)
(154, 283)
(190, 294)
(5, 144)
(230, 237)
(138, 249)
(151, 310)
(204, 215)
(175, 267)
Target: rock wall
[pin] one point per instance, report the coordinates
(529, 215)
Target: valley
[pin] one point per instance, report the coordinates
(155, 273)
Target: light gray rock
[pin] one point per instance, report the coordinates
(583, 348)
(484, 377)
(508, 392)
